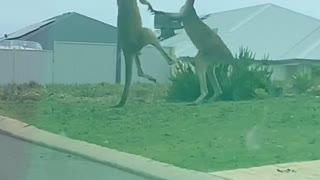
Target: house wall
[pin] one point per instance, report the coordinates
(279, 72)
(21, 66)
(76, 63)
(285, 72)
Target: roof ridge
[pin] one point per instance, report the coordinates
(312, 47)
(43, 26)
(249, 18)
(58, 16)
(236, 9)
(40, 27)
(264, 4)
(76, 13)
(302, 14)
(301, 41)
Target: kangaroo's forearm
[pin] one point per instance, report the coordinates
(174, 16)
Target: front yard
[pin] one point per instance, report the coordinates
(210, 137)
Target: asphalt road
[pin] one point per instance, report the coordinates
(20, 160)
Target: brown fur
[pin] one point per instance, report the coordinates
(132, 37)
(211, 49)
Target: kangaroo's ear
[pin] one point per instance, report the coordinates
(189, 3)
(183, 10)
(186, 7)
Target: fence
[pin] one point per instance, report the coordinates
(20, 66)
(71, 62)
(80, 63)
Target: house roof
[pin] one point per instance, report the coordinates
(34, 28)
(265, 29)
(307, 48)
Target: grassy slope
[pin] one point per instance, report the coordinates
(211, 137)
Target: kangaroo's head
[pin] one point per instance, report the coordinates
(123, 3)
(187, 7)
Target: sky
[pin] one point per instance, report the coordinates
(16, 14)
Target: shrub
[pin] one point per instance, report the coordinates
(185, 85)
(245, 78)
(261, 93)
(301, 82)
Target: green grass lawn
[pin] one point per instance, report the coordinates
(211, 137)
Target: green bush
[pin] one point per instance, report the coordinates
(301, 82)
(185, 86)
(245, 78)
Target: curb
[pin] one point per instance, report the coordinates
(284, 171)
(127, 162)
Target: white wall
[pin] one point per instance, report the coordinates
(285, 72)
(279, 72)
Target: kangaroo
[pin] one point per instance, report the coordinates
(132, 37)
(211, 49)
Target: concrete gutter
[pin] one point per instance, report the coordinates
(128, 162)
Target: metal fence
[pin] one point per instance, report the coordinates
(79, 63)
(20, 66)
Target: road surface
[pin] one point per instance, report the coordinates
(20, 160)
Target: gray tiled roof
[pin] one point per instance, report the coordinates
(264, 29)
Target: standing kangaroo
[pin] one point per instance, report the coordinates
(211, 49)
(132, 37)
